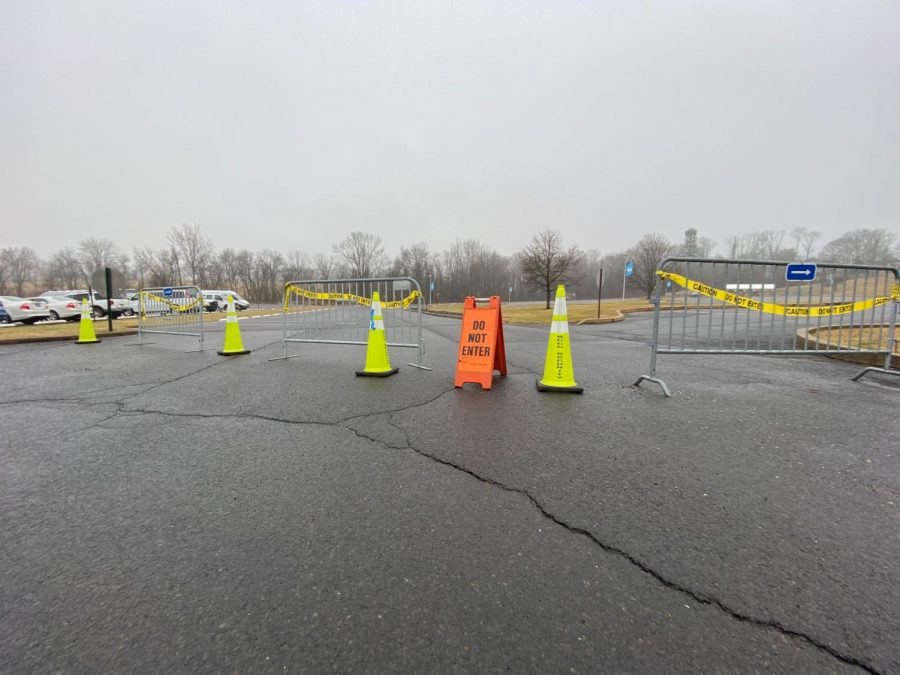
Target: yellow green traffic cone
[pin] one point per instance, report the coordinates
(378, 363)
(234, 346)
(558, 371)
(86, 334)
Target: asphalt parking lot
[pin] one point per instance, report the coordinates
(166, 510)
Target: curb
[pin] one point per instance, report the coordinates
(62, 338)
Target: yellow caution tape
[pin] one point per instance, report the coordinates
(168, 303)
(347, 297)
(771, 308)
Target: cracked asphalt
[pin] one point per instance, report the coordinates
(168, 510)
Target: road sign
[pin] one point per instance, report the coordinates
(800, 272)
(167, 292)
(629, 268)
(431, 285)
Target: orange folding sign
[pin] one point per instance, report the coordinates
(481, 349)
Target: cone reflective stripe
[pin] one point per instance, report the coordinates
(558, 371)
(86, 334)
(378, 363)
(234, 346)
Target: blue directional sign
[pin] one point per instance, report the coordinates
(629, 268)
(431, 285)
(800, 272)
(167, 292)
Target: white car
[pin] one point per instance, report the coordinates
(239, 302)
(60, 306)
(26, 311)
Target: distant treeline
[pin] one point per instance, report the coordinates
(468, 267)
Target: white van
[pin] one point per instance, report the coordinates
(239, 302)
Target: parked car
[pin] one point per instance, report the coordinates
(99, 304)
(213, 302)
(60, 306)
(26, 311)
(239, 302)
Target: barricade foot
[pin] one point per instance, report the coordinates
(873, 369)
(419, 366)
(657, 381)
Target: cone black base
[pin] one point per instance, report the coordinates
(245, 351)
(86, 342)
(571, 390)
(385, 373)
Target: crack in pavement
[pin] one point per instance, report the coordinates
(644, 567)
(695, 595)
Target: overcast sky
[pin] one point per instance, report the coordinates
(289, 124)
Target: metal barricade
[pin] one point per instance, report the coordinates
(710, 306)
(336, 311)
(171, 310)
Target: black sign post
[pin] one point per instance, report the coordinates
(109, 295)
(599, 290)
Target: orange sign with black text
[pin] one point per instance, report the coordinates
(481, 349)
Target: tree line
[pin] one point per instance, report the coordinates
(467, 267)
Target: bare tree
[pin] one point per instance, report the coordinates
(471, 268)
(20, 265)
(227, 263)
(97, 253)
(245, 269)
(863, 247)
(362, 253)
(64, 270)
(546, 262)
(194, 250)
(647, 254)
(804, 240)
(326, 265)
(416, 262)
(298, 265)
(269, 266)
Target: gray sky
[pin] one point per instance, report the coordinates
(290, 124)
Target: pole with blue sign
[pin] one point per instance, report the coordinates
(629, 271)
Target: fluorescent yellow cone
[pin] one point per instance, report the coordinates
(558, 372)
(233, 343)
(378, 363)
(86, 334)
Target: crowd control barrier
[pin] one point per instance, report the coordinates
(170, 310)
(719, 306)
(337, 311)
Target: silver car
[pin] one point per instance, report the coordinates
(60, 307)
(26, 311)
